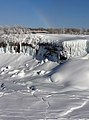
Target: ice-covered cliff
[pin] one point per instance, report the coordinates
(42, 46)
(75, 48)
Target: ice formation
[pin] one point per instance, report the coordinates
(43, 46)
(75, 48)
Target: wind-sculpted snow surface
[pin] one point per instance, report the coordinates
(73, 73)
(33, 88)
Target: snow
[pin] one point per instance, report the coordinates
(74, 73)
(75, 48)
(45, 46)
(42, 89)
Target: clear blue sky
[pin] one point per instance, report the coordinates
(45, 13)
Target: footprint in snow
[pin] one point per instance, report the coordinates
(41, 72)
(2, 86)
(4, 70)
(32, 89)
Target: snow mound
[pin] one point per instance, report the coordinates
(74, 73)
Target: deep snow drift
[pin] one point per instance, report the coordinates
(41, 87)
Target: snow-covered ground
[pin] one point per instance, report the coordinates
(46, 90)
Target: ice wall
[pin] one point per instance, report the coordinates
(43, 47)
(26, 49)
(75, 48)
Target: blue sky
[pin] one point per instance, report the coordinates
(45, 13)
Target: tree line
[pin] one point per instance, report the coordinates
(24, 30)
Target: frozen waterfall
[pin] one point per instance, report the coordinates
(54, 51)
(75, 48)
(11, 47)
